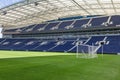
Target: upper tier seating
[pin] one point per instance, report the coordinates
(98, 22)
(52, 26)
(105, 21)
(83, 23)
(115, 21)
(29, 28)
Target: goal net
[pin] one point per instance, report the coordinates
(86, 51)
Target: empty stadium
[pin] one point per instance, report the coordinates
(60, 40)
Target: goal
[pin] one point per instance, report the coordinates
(86, 51)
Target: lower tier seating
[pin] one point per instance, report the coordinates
(110, 44)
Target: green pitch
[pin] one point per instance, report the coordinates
(21, 65)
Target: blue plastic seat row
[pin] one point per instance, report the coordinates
(112, 44)
(105, 21)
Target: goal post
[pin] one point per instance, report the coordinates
(85, 51)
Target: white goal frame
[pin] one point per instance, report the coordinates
(89, 53)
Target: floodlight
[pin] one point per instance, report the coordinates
(36, 3)
(4, 13)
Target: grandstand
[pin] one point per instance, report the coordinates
(88, 30)
(56, 26)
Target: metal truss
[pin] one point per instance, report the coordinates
(37, 11)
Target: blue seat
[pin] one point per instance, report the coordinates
(44, 45)
(28, 28)
(80, 23)
(66, 25)
(99, 21)
(63, 47)
(51, 26)
(38, 27)
(115, 21)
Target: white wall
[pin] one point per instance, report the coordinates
(1, 32)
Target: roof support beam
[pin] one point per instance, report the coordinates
(90, 6)
(77, 4)
(113, 6)
(101, 6)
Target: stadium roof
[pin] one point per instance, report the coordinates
(16, 13)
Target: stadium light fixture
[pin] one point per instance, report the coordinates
(4, 13)
(36, 3)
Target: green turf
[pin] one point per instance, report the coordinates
(53, 66)
(17, 54)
